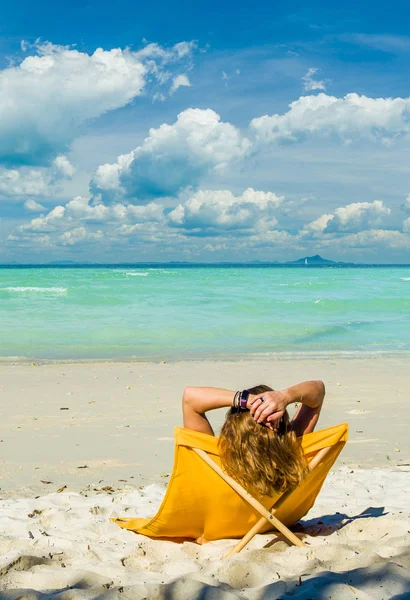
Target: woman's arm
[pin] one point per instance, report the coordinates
(196, 401)
(310, 395)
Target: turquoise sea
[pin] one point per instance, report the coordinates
(173, 312)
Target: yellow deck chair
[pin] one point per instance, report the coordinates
(203, 502)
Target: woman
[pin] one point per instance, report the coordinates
(258, 443)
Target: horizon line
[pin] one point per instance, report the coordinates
(295, 263)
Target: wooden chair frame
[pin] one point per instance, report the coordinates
(266, 515)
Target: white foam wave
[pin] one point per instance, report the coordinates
(49, 290)
(405, 278)
(133, 274)
(163, 271)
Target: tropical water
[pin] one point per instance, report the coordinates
(176, 312)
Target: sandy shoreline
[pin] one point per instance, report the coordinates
(115, 432)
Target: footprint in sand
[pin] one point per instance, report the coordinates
(357, 411)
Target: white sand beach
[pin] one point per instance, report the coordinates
(81, 443)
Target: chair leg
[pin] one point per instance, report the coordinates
(246, 538)
(257, 527)
(259, 524)
(266, 514)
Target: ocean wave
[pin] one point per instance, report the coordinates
(163, 271)
(46, 290)
(128, 273)
(405, 278)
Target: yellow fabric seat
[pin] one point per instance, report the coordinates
(199, 503)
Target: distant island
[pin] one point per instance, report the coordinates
(315, 260)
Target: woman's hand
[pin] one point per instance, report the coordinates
(271, 409)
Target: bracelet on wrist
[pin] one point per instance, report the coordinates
(236, 399)
(240, 400)
(243, 399)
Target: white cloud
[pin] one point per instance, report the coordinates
(46, 224)
(221, 210)
(172, 157)
(179, 81)
(79, 234)
(377, 238)
(167, 55)
(79, 211)
(183, 49)
(406, 204)
(19, 183)
(310, 84)
(149, 231)
(358, 215)
(28, 241)
(151, 212)
(215, 247)
(228, 224)
(46, 99)
(33, 206)
(63, 168)
(16, 183)
(158, 97)
(273, 237)
(204, 213)
(318, 226)
(227, 76)
(352, 116)
(376, 243)
(350, 218)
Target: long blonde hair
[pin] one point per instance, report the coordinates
(263, 460)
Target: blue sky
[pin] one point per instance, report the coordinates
(199, 132)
